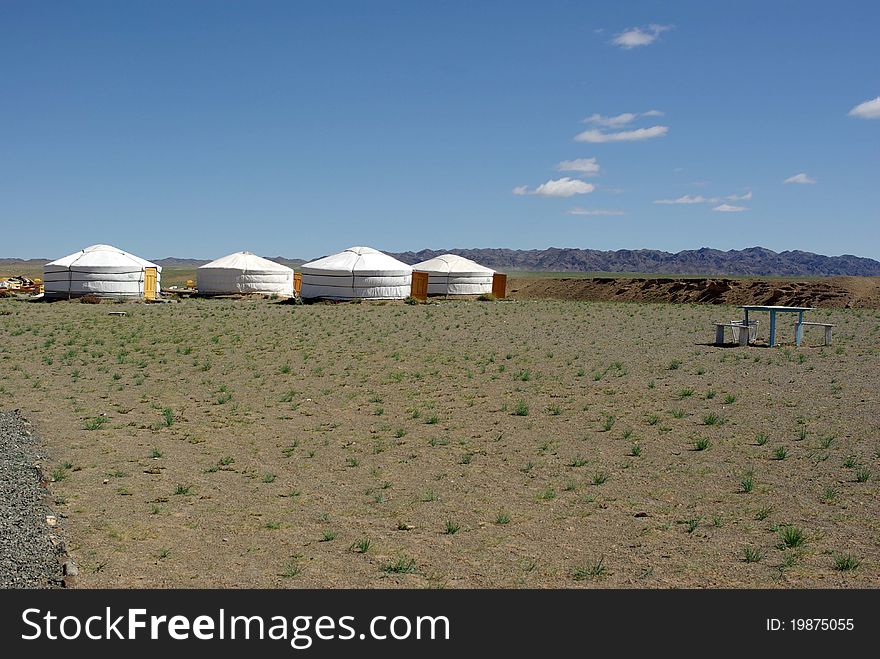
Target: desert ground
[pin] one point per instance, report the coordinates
(525, 443)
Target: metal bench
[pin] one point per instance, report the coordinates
(798, 328)
(739, 330)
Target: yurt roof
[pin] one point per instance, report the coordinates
(246, 262)
(452, 264)
(358, 260)
(98, 256)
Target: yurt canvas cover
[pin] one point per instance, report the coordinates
(101, 270)
(356, 273)
(243, 272)
(450, 274)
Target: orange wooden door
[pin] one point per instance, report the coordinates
(499, 285)
(419, 288)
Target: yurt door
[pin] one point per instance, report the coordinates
(499, 285)
(419, 286)
(149, 283)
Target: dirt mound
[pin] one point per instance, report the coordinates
(839, 292)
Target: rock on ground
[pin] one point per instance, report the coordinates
(29, 548)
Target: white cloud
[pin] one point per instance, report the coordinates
(700, 199)
(561, 187)
(801, 178)
(639, 36)
(727, 208)
(611, 122)
(619, 120)
(688, 199)
(608, 212)
(868, 110)
(596, 136)
(583, 166)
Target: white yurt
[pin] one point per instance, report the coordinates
(356, 273)
(449, 274)
(101, 270)
(243, 272)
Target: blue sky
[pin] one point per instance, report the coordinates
(299, 128)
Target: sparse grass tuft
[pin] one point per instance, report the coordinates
(600, 477)
(792, 537)
(763, 513)
(593, 571)
(401, 565)
(362, 546)
(752, 554)
(712, 419)
(846, 562)
(96, 423)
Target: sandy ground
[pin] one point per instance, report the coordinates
(510, 444)
(832, 292)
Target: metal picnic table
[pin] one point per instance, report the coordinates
(773, 311)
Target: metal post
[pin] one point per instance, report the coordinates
(772, 328)
(800, 328)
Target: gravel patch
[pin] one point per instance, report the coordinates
(29, 548)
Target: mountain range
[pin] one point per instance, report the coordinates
(755, 261)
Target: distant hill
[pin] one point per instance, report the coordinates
(28, 263)
(755, 261)
(752, 261)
